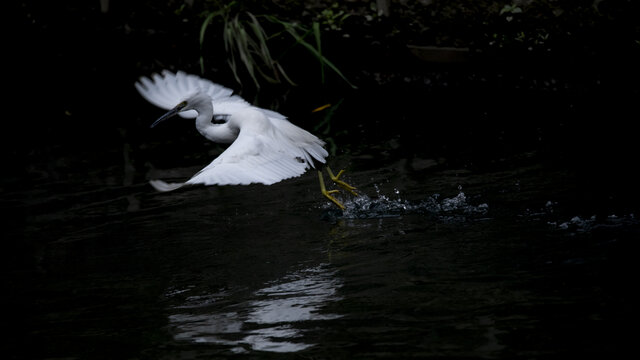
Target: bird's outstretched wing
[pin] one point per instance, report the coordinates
(168, 90)
(257, 158)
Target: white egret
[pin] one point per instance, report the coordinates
(265, 147)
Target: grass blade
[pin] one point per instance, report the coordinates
(205, 25)
(316, 35)
(290, 28)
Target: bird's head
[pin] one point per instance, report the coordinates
(197, 102)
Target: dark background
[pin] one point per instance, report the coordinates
(554, 88)
(570, 99)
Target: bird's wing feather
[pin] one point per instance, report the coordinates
(168, 90)
(313, 147)
(253, 158)
(256, 159)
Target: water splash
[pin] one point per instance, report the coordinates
(454, 208)
(582, 225)
(577, 223)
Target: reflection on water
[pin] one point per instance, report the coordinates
(267, 321)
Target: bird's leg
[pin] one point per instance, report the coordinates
(342, 184)
(328, 193)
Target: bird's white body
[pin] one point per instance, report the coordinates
(265, 147)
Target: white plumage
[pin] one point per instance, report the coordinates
(265, 147)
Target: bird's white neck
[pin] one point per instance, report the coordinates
(220, 133)
(205, 114)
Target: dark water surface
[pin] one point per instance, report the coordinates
(445, 263)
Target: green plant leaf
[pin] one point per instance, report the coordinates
(246, 45)
(205, 24)
(316, 34)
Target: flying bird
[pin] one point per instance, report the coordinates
(264, 148)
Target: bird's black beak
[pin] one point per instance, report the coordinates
(173, 112)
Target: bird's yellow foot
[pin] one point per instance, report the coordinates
(328, 193)
(342, 184)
